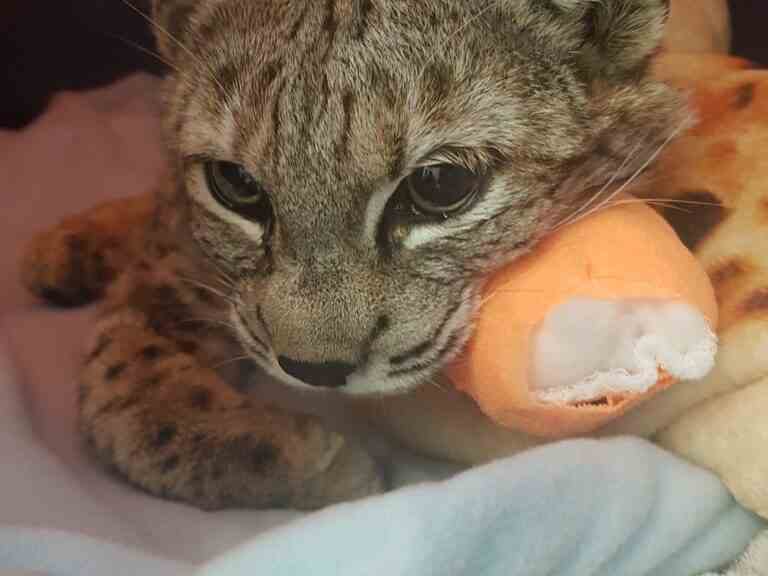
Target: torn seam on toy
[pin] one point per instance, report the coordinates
(589, 349)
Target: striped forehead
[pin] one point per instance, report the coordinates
(305, 98)
(271, 109)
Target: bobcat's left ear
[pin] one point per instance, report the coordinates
(619, 36)
(172, 18)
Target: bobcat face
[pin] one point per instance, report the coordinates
(358, 167)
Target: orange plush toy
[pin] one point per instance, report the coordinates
(603, 314)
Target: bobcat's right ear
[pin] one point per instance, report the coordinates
(172, 19)
(619, 37)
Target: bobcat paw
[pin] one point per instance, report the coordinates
(62, 268)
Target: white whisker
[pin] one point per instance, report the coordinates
(434, 382)
(241, 358)
(607, 202)
(144, 50)
(208, 288)
(603, 188)
(152, 22)
(212, 322)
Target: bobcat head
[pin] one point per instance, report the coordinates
(358, 167)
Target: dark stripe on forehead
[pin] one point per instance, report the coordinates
(227, 76)
(276, 122)
(382, 83)
(330, 26)
(348, 102)
(397, 153)
(325, 93)
(261, 82)
(299, 22)
(362, 14)
(255, 100)
(269, 72)
(329, 18)
(436, 81)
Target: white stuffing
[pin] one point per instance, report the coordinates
(587, 348)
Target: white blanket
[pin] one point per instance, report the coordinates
(614, 508)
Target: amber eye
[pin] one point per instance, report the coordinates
(442, 189)
(234, 188)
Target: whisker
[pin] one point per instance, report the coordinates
(211, 322)
(152, 22)
(488, 297)
(637, 172)
(208, 288)
(652, 202)
(144, 50)
(436, 383)
(241, 358)
(603, 188)
(680, 201)
(223, 276)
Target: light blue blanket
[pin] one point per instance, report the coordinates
(612, 508)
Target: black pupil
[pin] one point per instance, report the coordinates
(442, 187)
(243, 187)
(236, 189)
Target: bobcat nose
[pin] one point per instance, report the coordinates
(321, 374)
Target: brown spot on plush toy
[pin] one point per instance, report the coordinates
(711, 212)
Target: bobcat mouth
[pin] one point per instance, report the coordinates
(394, 374)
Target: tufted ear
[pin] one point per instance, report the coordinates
(620, 36)
(172, 18)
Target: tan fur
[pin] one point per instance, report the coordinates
(330, 105)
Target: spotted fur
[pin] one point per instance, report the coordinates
(329, 104)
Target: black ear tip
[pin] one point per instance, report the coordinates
(621, 35)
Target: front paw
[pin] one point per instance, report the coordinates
(60, 267)
(348, 472)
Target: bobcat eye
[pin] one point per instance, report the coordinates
(442, 189)
(234, 188)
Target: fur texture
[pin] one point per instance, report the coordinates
(329, 106)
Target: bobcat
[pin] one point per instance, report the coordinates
(345, 175)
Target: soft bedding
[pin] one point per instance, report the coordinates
(612, 507)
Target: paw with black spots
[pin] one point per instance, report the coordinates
(171, 426)
(72, 263)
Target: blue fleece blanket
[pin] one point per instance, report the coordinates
(615, 507)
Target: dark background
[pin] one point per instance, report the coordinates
(49, 45)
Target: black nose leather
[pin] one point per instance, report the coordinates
(321, 374)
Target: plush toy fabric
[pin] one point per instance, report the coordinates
(699, 26)
(572, 335)
(723, 164)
